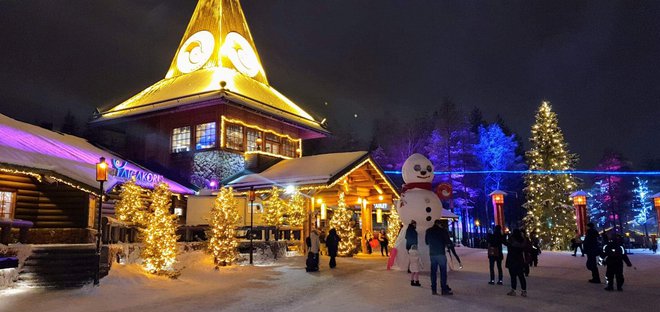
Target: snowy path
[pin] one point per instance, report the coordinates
(358, 284)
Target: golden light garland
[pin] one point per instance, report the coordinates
(393, 226)
(23, 172)
(130, 207)
(274, 208)
(224, 120)
(296, 209)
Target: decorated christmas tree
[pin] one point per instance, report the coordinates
(393, 227)
(550, 214)
(341, 221)
(159, 253)
(130, 207)
(296, 209)
(274, 208)
(222, 233)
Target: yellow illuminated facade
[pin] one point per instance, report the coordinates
(252, 139)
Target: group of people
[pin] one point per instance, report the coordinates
(437, 238)
(373, 241)
(313, 242)
(613, 253)
(523, 253)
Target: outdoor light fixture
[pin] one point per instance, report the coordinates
(290, 189)
(101, 176)
(379, 215)
(324, 211)
(252, 196)
(498, 207)
(580, 203)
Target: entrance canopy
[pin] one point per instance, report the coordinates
(325, 177)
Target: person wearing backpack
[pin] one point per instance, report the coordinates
(495, 255)
(615, 256)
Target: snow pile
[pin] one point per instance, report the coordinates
(20, 251)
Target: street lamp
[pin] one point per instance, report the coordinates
(101, 176)
(252, 196)
(656, 204)
(580, 203)
(498, 204)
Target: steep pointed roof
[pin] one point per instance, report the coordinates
(217, 58)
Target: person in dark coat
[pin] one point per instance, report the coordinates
(411, 234)
(495, 255)
(332, 243)
(382, 238)
(590, 245)
(515, 262)
(535, 251)
(437, 238)
(615, 256)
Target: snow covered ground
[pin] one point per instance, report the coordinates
(357, 284)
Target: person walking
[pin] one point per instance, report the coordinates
(654, 244)
(495, 254)
(313, 243)
(438, 238)
(577, 243)
(415, 265)
(535, 251)
(590, 245)
(515, 262)
(332, 243)
(382, 238)
(452, 250)
(615, 256)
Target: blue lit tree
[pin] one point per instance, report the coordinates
(641, 204)
(597, 209)
(495, 151)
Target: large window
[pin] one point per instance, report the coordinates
(6, 205)
(289, 148)
(205, 136)
(272, 143)
(253, 140)
(181, 140)
(235, 137)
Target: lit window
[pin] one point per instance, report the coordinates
(6, 205)
(234, 136)
(181, 140)
(205, 136)
(289, 148)
(272, 143)
(253, 140)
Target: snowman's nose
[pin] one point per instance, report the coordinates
(423, 172)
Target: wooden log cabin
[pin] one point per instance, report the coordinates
(47, 181)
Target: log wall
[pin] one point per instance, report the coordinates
(47, 205)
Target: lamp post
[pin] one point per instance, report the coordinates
(252, 196)
(498, 207)
(656, 204)
(477, 223)
(580, 203)
(101, 176)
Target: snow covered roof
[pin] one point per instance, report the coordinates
(307, 170)
(23, 145)
(217, 58)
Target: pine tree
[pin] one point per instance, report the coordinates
(130, 207)
(296, 209)
(159, 253)
(224, 219)
(341, 221)
(549, 212)
(393, 227)
(642, 207)
(274, 208)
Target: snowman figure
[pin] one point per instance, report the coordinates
(418, 202)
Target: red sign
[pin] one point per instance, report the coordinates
(443, 191)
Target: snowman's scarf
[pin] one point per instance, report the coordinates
(419, 185)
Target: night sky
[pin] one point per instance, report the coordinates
(596, 62)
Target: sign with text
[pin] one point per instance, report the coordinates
(123, 170)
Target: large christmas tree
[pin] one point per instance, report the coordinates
(341, 221)
(224, 219)
(159, 253)
(130, 207)
(549, 212)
